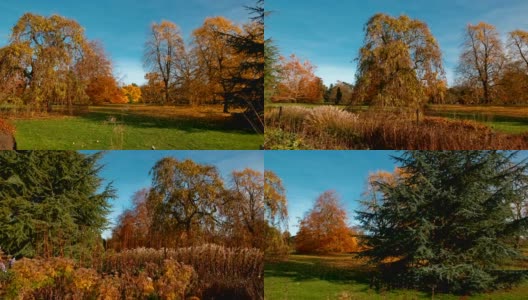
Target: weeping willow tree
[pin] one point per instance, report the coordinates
(400, 63)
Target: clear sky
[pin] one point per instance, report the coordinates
(129, 170)
(330, 33)
(307, 174)
(122, 25)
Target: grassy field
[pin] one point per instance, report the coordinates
(309, 105)
(136, 127)
(509, 119)
(343, 277)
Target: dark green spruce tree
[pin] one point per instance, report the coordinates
(249, 78)
(448, 223)
(52, 203)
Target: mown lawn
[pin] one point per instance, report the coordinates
(343, 277)
(136, 127)
(509, 119)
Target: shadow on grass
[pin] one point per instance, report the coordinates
(187, 124)
(303, 270)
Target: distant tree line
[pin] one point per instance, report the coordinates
(400, 65)
(190, 204)
(49, 60)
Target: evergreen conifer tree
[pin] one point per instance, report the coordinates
(447, 222)
(51, 203)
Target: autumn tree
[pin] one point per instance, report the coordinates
(276, 215)
(152, 90)
(49, 61)
(298, 81)
(132, 92)
(104, 89)
(164, 50)
(482, 59)
(186, 198)
(245, 209)
(52, 203)
(133, 228)
(324, 228)
(518, 47)
(447, 224)
(513, 80)
(216, 57)
(44, 50)
(400, 61)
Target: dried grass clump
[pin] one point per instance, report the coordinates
(331, 119)
(233, 272)
(332, 128)
(290, 117)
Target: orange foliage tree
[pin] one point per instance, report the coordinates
(103, 89)
(324, 229)
(298, 81)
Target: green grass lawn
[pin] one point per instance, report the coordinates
(343, 277)
(496, 121)
(136, 127)
(308, 105)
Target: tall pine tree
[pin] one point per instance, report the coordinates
(51, 203)
(447, 224)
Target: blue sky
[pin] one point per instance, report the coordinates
(307, 174)
(330, 33)
(129, 170)
(122, 25)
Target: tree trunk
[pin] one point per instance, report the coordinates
(226, 106)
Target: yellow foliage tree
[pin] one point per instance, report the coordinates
(132, 92)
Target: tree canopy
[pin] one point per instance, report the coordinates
(324, 228)
(448, 224)
(400, 63)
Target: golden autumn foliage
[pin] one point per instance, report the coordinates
(104, 89)
(324, 228)
(298, 81)
(132, 92)
(216, 58)
(60, 278)
(49, 60)
(400, 63)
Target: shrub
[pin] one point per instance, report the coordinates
(278, 139)
(58, 278)
(330, 119)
